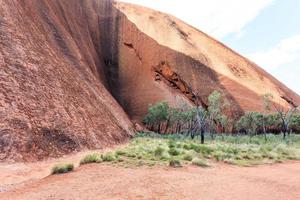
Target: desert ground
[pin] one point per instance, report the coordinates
(105, 181)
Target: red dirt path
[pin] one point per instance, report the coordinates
(100, 181)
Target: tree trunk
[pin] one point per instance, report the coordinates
(158, 128)
(264, 129)
(202, 136)
(167, 126)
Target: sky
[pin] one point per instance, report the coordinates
(265, 31)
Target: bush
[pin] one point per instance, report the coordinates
(120, 153)
(187, 157)
(92, 158)
(199, 162)
(202, 149)
(172, 144)
(175, 163)
(62, 168)
(165, 156)
(218, 155)
(174, 152)
(108, 157)
(159, 151)
(186, 146)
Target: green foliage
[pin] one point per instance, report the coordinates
(199, 162)
(187, 157)
(154, 149)
(108, 157)
(159, 151)
(295, 122)
(62, 168)
(92, 158)
(172, 144)
(193, 121)
(120, 153)
(251, 121)
(174, 152)
(215, 107)
(157, 114)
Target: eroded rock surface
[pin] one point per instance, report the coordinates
(69, 68)
(53, 98)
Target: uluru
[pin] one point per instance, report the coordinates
(75, 73)
(103, 99)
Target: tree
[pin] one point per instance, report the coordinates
(157, 115)
(215, 107)
(285, 116)
(295, 122)
(223, 119)
(267, 109)
(201, 121)
(250, 122)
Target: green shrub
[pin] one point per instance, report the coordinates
(187, 157)
(159, 151)
(62, 168)
(174, 152)
(199, 162)
(240, 150)
(178, 145)
(165, 156)
(120, 153)
(218, 155)
(175, 163)
(92, 158)
(108, 157)
(172, 144)
(131, 155)
(186, 146)
(203, 149)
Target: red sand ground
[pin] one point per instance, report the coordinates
(101, 181)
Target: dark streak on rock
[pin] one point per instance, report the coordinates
(289, 101)
(130, 45)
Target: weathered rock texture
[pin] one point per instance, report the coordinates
(69, 68)
(53, 75)
(162, 58)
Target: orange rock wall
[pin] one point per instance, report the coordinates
(53, 98)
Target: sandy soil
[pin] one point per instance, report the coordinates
(101, 181)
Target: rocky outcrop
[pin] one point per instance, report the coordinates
(175, 62)
(69, 68)
(53, 78)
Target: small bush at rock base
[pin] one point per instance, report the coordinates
(62, 168)
(199, 162)
(92, 158)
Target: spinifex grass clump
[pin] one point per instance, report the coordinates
(199, 162)
(187, 157)
(159, 151)
(154, 149)
(62, 168)
(109, 157)
(92, 158)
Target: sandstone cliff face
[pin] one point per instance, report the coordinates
(174, 61)
(53, 98)
(69, 68)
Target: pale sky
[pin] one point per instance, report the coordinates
(265, 31)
